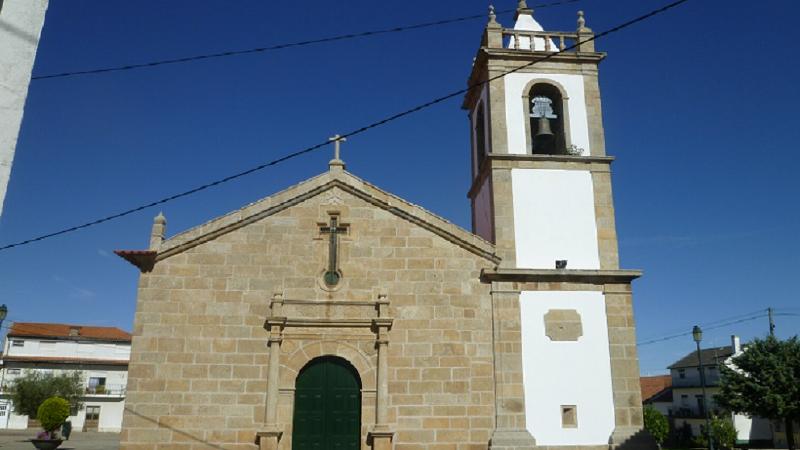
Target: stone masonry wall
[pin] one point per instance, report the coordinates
(199, 363)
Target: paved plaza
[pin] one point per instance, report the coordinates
(18, 440)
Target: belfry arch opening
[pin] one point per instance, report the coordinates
(545, 110)
(480, 135)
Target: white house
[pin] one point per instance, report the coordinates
(688, 403)
(101, 354)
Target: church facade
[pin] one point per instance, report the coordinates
(336, 315)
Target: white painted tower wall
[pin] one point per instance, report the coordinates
(566, 373)
(554, 218)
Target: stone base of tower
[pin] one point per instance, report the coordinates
(632, 439)
(512, 440)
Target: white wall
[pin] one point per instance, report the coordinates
(111, 416)
(116, 377)
(517, 115)
(20, 25)
(69, 349)
(567, 373)
(554, 218)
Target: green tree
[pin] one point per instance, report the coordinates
(52, 413)
(722, 431)
(765, 381)
(30, 390)
(656, 424)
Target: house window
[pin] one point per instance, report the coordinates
(92, 412)
(3, 410)
(97, 385)
(701, 404)
(17, 343)
(684, 400)
(14, 371)
(681, 374)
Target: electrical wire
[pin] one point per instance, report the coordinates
(678, 332)
(357, 131)
(303, 43)
(688, 333)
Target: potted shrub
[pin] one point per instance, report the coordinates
(51, 415)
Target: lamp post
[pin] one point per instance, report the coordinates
(697, 334)
(3, 313)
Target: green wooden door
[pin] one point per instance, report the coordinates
(327, 406)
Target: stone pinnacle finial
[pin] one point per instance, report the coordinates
(492, 15)
(582, 28)
(158, 231)
(522, 9)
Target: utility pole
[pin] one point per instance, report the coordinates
(771, 322)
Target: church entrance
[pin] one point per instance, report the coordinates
(327, 406)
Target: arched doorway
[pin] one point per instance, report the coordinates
(327, 406)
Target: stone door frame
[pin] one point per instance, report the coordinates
(281, 378)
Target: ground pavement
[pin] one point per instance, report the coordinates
(18, 440)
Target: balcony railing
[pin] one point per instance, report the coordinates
(113, 390)
(548, 41)
(692, 413)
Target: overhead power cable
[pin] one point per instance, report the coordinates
(682, 331)
(286, 45)
(357, 131)
(705, 328)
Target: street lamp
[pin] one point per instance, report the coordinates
(3, 313)
(697, 334)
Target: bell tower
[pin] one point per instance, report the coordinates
(565, 352)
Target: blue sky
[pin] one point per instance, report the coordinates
(699, 105)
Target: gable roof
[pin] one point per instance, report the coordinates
(709, 356)
(335, 178)
(654, 388)
(67, 331)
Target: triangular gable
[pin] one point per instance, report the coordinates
(316, 186)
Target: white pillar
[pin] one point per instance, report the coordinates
(20, 27)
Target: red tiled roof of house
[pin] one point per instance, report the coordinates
(66, 331)
(654, 385)
(67, 360)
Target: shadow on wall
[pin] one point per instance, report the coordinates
(14, 31)
(642, 440)
(176, 430)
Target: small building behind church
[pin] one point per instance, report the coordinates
(334, 314)
(101, 354)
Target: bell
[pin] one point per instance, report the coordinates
(544, 135)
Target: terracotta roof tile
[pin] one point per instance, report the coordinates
(66, 331)
(651, 386)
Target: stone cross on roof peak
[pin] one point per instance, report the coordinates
(336, 162)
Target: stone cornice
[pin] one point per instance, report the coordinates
(560, 275)
(529, 161)
(527, 56)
